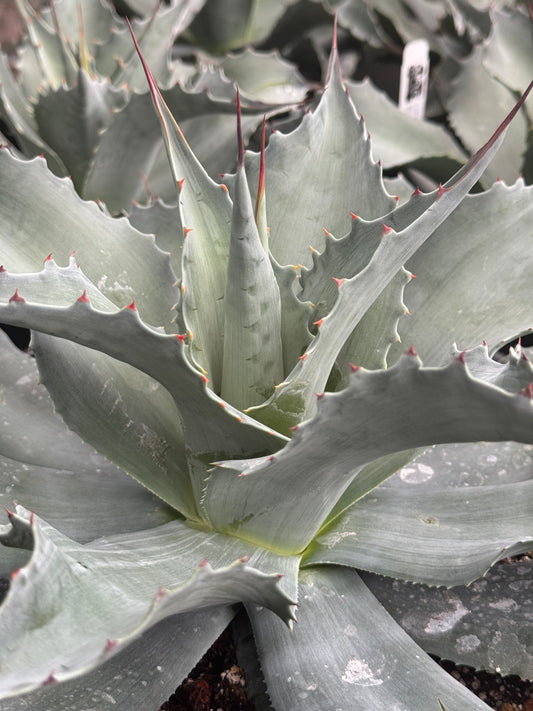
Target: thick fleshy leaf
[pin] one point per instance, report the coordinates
(389, 245)
(253, 360)
(329, 148)
(122, 335)
(156, 36)
(141, 676)
(113, 254)
(49, 45)
(86, 109)
(360, 19)
(486, 625)
(204, 108)
(380, 412)
(377, 331)
(295, 316)
(228, 24)
(116, 588)
(507, 52)
(49, 470)
(347, 652)
(385, 121)
(123, 156)
(164, 222)
(483, 262)
(206, 215)
(151, 447)
(468, 465)
(17, 111)
(471, 119)
(446, 537)
(265, 77)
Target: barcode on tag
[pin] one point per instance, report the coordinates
(414, 78)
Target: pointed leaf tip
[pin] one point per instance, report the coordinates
(110, 645)
(240, 141)
(334, 55)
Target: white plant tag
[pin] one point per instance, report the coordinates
(414, 78)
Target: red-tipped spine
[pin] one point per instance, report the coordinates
(461, 357)
(17, 297)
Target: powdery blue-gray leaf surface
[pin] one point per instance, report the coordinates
(29, 235)
(329, 147)
(123, 336)
(444, 537)
(46, 467)
(487, 625)
(385, 121)
(346, 647)
(471, 120)
(351, 429)
(142, 675)
(102, 586)
(392, 240)
(480, 256)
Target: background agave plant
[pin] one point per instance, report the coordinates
(229, 375)
(80, 97)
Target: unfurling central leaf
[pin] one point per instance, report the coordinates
(253, 358)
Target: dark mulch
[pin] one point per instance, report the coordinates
(216, 682)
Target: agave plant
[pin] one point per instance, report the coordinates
(80, 97)
(232, 420)
(481, 59)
